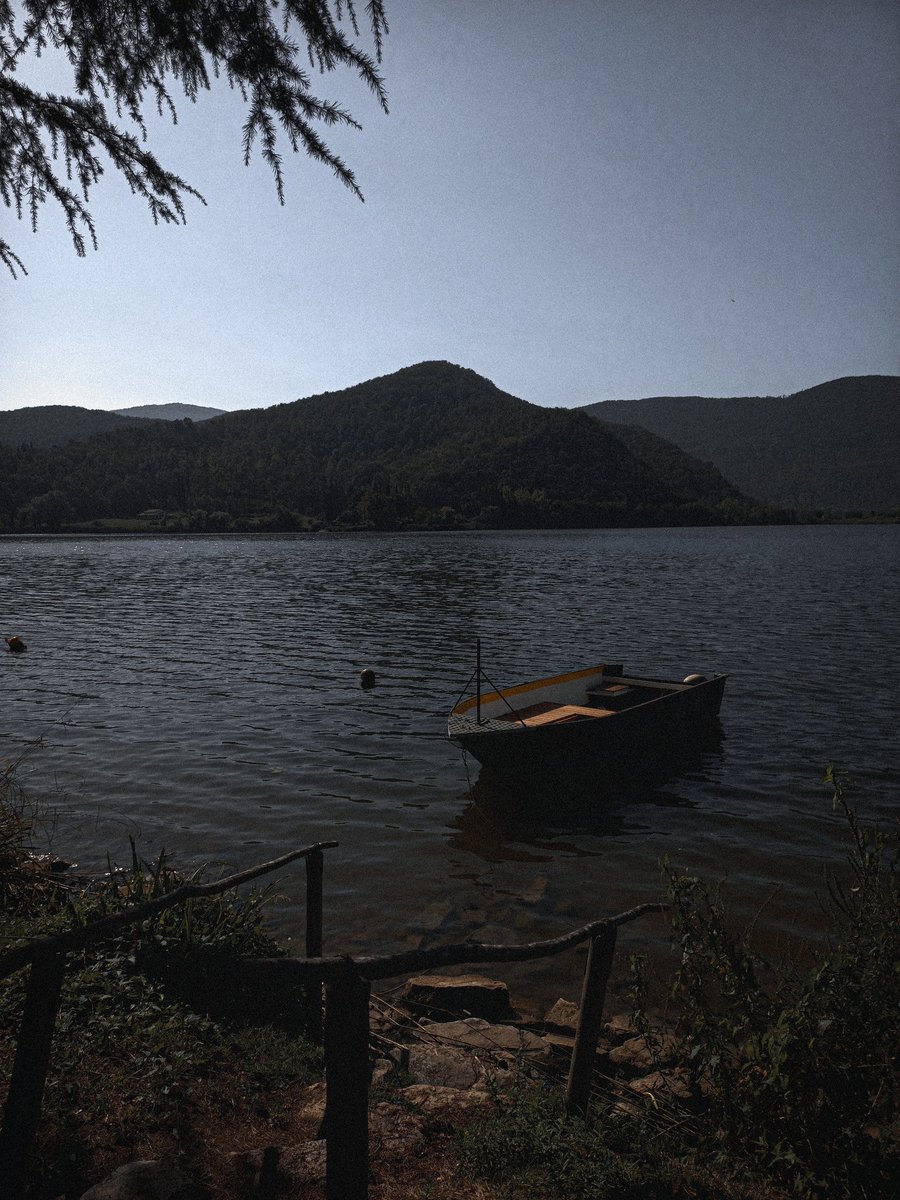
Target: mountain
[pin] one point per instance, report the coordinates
(56, 425)
(59, 424)
(835, 447)
(430, 446)
(171, 412)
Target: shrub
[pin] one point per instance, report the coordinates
(797, 1070)
(529, 1144)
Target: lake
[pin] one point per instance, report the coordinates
(202, 695)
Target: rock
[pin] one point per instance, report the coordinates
(310, 1108)
(664, 1085)
(564, 1042)
(464, 1053)
(443, 996)
(394, 1132)
(656, 1089)
(274, 1171)
(618, 1027)
(635, 1055)
(446, 1067)
(563, 1015)
(383, 1068)
(145, 1179)
(442, 1103)
(476, 1034)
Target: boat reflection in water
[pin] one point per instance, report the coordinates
(506, 822)
(593, 731)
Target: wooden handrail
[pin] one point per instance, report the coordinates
(295, 970)
(346, 1033)
(74, 939)
(47, 959)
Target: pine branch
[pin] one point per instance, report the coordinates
(125, 55)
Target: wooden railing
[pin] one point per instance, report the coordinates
(347, 982)
(47, 959)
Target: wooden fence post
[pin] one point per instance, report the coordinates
(314, 873)
(590, 1016)
(347, 1086)
(29, 1072)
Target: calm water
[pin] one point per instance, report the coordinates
(202, 695)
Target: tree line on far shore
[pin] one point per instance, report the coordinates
(430, 447)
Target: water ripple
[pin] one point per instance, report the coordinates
(202, 694)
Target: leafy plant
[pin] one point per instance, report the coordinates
(532, 1146)
(26, 878)
(138, 1037)
(797, 1071)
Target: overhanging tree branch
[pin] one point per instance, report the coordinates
(126, 54)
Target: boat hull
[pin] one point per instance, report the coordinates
(648, 742)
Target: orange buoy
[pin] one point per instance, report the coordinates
(15, 644)
(367, 678)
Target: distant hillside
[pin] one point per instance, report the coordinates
(834, 447)
(59, 424)
(431, 446)
(56, 425)
(171, 412)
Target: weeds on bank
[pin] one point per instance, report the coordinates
(25, 878)
(156, 1039)
(795, 1073)
(530, 1147)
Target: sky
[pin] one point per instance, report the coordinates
(581, 200)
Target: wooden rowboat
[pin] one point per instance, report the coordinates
(588, 727)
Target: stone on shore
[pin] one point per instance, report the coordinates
(563, 1015)
(636, 1055)
(476, 1034)
(656, 1089)
(464, 1054)
(443, 997)
(145, 1179)
(440, 1105)
(274, 1170)
(618, 1027)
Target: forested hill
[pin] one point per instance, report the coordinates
(835, 447)
(56, 425)
(431, 446)
(59, 424)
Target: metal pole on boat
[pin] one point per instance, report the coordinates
(478, 681)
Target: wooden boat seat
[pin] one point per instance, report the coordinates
(612, 695)
(558, 713)
(548, 712)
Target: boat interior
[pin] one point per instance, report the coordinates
(613, 695)
(571, 699)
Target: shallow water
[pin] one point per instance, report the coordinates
(202, 695)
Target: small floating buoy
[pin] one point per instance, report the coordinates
(15, 644)
(367, 678)
(694, 679)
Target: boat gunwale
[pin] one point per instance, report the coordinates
(518, 689)
(490, 728)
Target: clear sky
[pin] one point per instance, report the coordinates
(580, 199)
